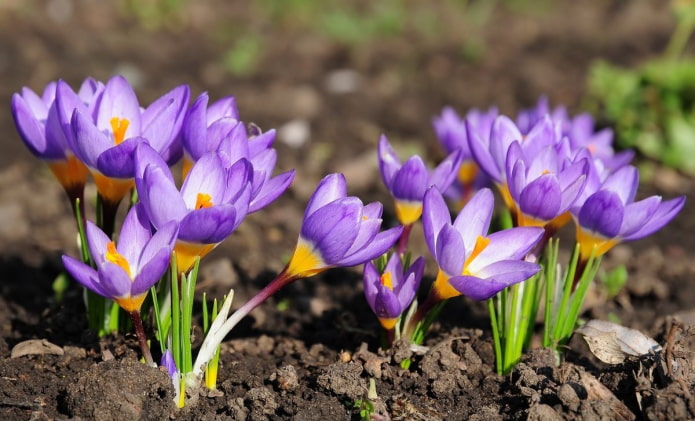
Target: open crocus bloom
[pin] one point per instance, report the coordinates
(471, 262)
(338, 230)
(106, 141)
(390, 293)
(125, 272)
(611, 215)
(408, 181)
(217, 128)
(211, 204)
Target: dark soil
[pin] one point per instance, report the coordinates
(314, 356)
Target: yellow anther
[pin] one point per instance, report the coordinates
(119, 127)
(203, 200)
(387, 281)
(113, 256)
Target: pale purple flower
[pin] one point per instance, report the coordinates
(471, 262)
(125, 272)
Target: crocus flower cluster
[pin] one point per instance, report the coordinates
(547, 165)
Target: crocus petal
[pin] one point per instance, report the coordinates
(223, 107)
(134, 235)
(450, 254)
(481, 152)
(410, 181)
(389, 163)
(207, 176)
(476, 288)
(160, 197)
(66, 103)
(119, 100)
(31, 131)
(117, 162)
(602, 213)
(662, 216)
(445, 173)
(114, 280)
(386, 304)
(333, 228)
(151, 271)
(637, 214)
(503, 133)
(406, 293)
(541, 199)
(508, 272)
(194, 130)
(370, 279)
(162, 120)
(435, 216)
(208, 225)
(378, 246)
(513, 243)
(89, 142)
(271, 190)
(624, 183)
(330, 188)
(474, 219)
(163, 239)
(96, 242)
(367, 230)
(84, 274)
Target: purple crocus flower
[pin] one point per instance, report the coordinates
(125, 272)
(471, 262)
(409, 181)
(211, 204)
(390, 293)
(544, 186)
(36, 119)
(452, 134)
(491, 153)
(217, 128)
(338, 230)
(611, 215)
(105, 138)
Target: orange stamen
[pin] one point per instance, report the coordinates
(386, 280)
(119, 127)
(203, 200)
(480, 244)
(113, 256)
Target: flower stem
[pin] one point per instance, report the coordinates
(403, 240)
(142, 339)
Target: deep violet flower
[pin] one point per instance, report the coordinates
(211, 204)
(390, 293)
(126, 271)
(611, 215)
(409, 181)
(217, 128)
(105, 138)
(471, 262)
(338, 230)
(37, 121)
